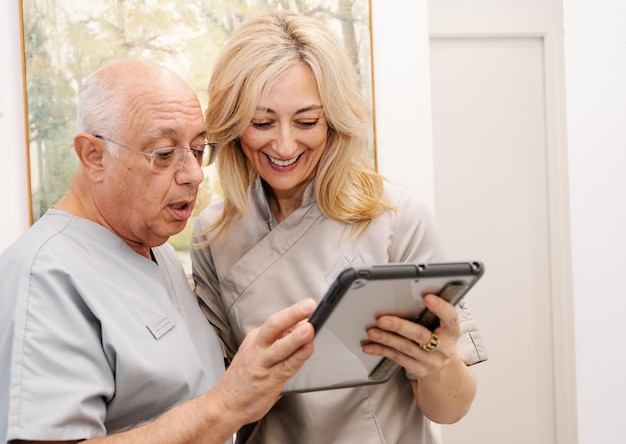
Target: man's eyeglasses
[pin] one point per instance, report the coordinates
(173, 158)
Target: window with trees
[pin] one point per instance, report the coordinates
(64, 40)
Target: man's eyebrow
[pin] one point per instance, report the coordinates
(262, 109)
(170, 132)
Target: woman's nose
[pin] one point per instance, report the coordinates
(286, 144)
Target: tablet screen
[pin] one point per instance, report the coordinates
(353, 303)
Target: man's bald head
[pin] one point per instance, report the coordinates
(110, 93)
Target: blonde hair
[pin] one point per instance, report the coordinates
(262, 49)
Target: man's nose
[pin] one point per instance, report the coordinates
(190, 171)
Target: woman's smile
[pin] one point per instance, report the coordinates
(283, 163)
(288, 133)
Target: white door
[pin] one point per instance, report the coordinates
(492, 203)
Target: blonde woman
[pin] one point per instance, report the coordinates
(300, 204)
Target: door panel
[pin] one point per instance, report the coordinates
(491, 204)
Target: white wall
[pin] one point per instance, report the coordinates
(402, 94)
(595, 91)
(495, 8)
(13, 183)
(595, 63)
(595, 36)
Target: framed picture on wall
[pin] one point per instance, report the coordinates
(64, 40)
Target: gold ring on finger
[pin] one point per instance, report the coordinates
(431, 345)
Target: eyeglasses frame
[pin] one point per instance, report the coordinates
(211, 155)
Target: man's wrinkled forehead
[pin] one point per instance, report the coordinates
(173, 133)
(165, 113)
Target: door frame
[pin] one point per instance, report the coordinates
(550, 32)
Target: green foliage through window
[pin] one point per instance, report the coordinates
(67, 39)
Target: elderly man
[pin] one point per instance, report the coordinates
(100, 334)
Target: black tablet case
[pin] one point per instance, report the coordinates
(357, 297)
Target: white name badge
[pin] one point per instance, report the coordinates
(159, 326)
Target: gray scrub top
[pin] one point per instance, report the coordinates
(261, 267)
(95, 338)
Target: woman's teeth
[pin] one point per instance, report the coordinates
(282, 163)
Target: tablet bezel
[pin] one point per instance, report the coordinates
(351, 305)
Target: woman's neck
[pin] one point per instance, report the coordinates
(283, 203)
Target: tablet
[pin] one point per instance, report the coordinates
(357, 297)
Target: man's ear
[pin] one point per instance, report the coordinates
(90, 150)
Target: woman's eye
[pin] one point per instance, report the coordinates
(261, 125)
(266, 124)
(308, 123)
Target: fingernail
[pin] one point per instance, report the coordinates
(430, 299)
(307, 305)
(385, 323)
(302, 330)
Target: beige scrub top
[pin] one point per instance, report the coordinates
(95, 338)
(262, 267)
